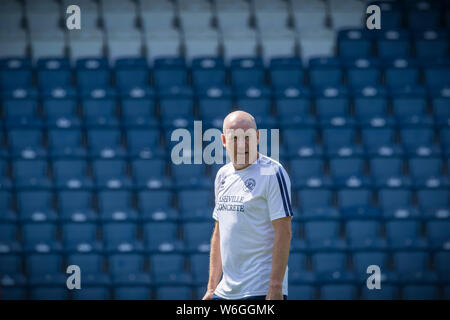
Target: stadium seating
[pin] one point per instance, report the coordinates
(86, 118)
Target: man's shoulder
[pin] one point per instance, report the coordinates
(269, 166)
(223, 170)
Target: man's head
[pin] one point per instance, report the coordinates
(240, 138)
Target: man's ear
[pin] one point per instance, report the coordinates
(257, 136)
(224, 140)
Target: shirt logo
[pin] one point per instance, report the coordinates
(249, 184)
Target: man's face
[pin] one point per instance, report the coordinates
(241, 145)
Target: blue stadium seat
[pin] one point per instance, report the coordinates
(343, 168)
(121, 263)
(332, 102)
(92, 73)
(50, 286)
(74, 201)
(442, 261)
(445, 139)
(408, 105)
(293, 103)
(31, 201)
(418, 140)
(8, 232)
(438, 232)
(254, 100)
(362, 229)
(363, 72)
(380, 141)
(194, 199)
(410, 261)
(423, 14)
(53, 72)
(432, 199)
(145, 170)
(199, 263)
(14, 287)
(142, 142)
(169, 72)
(10, 258)
(437, 74)
(328, 261)
(6, 212)
(138, 106)
(214, 102)
(208, 71)
(15, 72)
(158, 232)
(176, 102)
(325, 71)
(354, 43)
(71, 173)
(399, 231)
(116, 233)
(149, 201)
(89, 262)
(393, 43)
(401, 72)
(340, 141)
(247, 72)
(92, 292)
(321, 230)
(387, 292)
(370, 102)
(30, 173)
(27, 142)
(383, 169)
(197, 233)
(313, 199)
(354, 198)
(20, 106)
(105, 143)
(431, 44)
(66, 142)
(79, 232)
(163, 264)
(301, 292)
(302, 170)
(38, 232)
(394, 198)
(189, 175)
(286, 72)
(420, 292)
(43, 261)
(60, 102)
(111, 173)
(297, 140)
(99, 106)
(361, 260)
(174, 293)
(113, 201)
(392, 13)
(426, 171)
(440, 98)
(131, 72)
(338, 292)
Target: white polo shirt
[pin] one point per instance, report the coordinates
(247, 201)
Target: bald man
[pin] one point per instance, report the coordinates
(252, 233)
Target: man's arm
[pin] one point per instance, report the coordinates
(280, 257)
(215, 263)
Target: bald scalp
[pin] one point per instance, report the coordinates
(239, 120)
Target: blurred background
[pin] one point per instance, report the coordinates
(86, 176)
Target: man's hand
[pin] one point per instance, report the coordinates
(208, 295)
(275, 293)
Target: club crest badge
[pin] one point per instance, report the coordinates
(249, 184)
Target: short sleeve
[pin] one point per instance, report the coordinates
(217, 182)
(279, 194)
